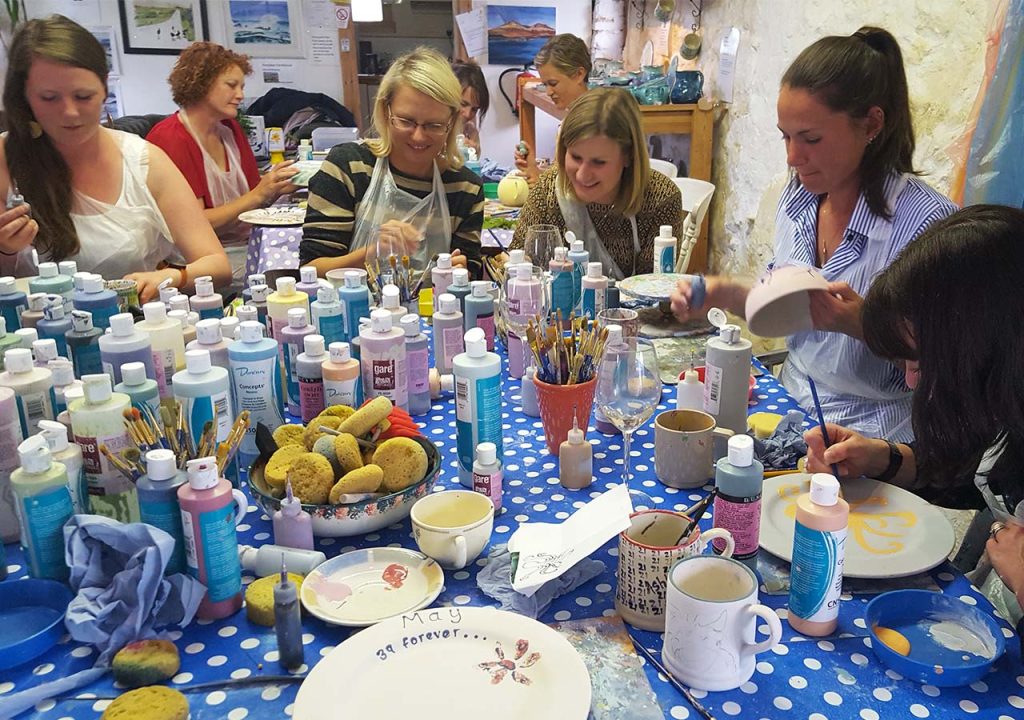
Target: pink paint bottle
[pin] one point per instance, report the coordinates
(292, 526)
(208, 520)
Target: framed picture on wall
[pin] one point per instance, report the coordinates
(265, 28)
(162, 27)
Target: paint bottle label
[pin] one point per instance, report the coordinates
(593, 302)
(817, 578)
(166, 515)
(33, 407)
(332, 327)
(291, 352)
(741, 516)
(561, 292)
(42, 518)
(220, 551)
(666, 260)
(712, 389)
(257, 389)
(491, 486)
(477, 402)
(451, 344)
(486, 323)
(163, 368)
(342, 392)
(215, 407)
(311, 397)
(419, 371)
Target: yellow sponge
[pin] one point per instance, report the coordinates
(149, 703)
(313, 431)
(311, 476)
(259, 598)
(346, 450)
(288, 435)
(366, 479)
(276, 472)
(404, 462)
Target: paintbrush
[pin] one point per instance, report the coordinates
(703, 711)
(424, 275)
(821, 423)
(696, 512)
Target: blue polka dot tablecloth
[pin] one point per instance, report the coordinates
(272, 248)
(836, 678)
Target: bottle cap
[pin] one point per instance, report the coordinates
(7, 285)
(228, 327)
(81, 320)
(93, 284)
(561, 252)
(154, 311)
(741, 451)
(486, 453)
(133, 373)
(246, 313)
(516, 257)
(3, 326)
(37, 302)
(286, 286)
(665, 231)
(28, 336)
(614, 335)
(202, 472)
(75, 391)
(197, 362)
(444, 261)
(575, 245)
(307, 274)
(34, 454)
(208, 332)
(524, 271)
(594, 270)
(204, 286)
(47, 269)
(313, 345)
(448, 303)
(122, 325)
(447, 383)
(252, 331)
(575, 435)
(256, 279)
(18, 360)
(247, 555)
(570, 238)
(63, 371)
(410, 325)
(179, 316)
(290, 505)
(460, 277)
(380, 321)
(192, 318)
(161, 465)
(481, 288)
(180, 302)
(68, 267)
(728, 332)
(824, 489)
(340, 352)
(297, 317)
(96, 389)
(327, 294)
(390, 296)
(259, 293)
(55, 434)
(476, 342)
(54, 309)
(45, 350)
(78, 279)
(353, 278)
(690, 377)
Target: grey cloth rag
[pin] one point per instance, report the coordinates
(785, 446)
(495, 580)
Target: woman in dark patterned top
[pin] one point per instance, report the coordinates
(602, 187)
(405, 192)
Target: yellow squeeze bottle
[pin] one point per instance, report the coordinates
(280, 302)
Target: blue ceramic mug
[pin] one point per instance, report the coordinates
(689, 87)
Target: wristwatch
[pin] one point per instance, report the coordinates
(183, 269)
(895, 462)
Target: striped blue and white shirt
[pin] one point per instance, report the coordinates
(856, 388)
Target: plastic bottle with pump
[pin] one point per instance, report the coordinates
(479, 311)
(8, 341)
(355, 300)
(477, 377)
(327, 315)
(141, 390)
(266, 559)
(460, 287)
(664, 250)
(727, 374)
(739, 478)
(125, 344)
(441, 277)
(595, 285)
(310, 372)
(417, 353)
(205, 395)
(98, 300)
(13, 302)
(308, 282)
(69, 455)
(280, 302)
(168, 341)
(292, 527)
(488, 475)
(208, 519)
(575, 459)
(819, 550)
(206, 302)
(448, 333)
(63, 379)
(256, 380)
(291, 339)
(209, 337)
(32, 386)
(43, 503)
(342, 380)
(383, 360)
(55, 324)
(158, 502)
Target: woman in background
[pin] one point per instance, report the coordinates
(476, 101)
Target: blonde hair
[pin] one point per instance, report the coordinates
(426, 70)
(567, 54)
(613, 113)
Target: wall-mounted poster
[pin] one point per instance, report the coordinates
(515, 34)
(161, 27)
(265, 28)
(109, 42)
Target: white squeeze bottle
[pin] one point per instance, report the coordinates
(256, 380)
(308, 282)
(460, 287)
(448, 333)
(280, 302)
(139, 388)
(125, 344)
(477, 401)
(43, 503)
(70, 456)
(327, 315)
(168, 340)
(310, 372)
(97, 419)
(595, 286)
(32, 386)
(63, 379)
(205, 395)
(342, 381)
(417, 353)
(229, 329)
(664, 250)
(206, 302)
(441, 277)
(391, 300)
(383, 360)
(479, 311)
(209, 337)
(819, 546)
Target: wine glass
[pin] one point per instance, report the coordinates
(540, 244)
(524, 296)
(628, 388)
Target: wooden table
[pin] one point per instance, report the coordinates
(695, 120)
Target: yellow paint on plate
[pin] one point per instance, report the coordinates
(895, 641)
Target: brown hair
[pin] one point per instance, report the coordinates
(567, 54)
(42, 175)
(851, 74)
(471, 76)
(198, 66)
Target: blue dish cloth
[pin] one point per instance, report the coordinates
(494, 579)
(491, 171)
(785, 446)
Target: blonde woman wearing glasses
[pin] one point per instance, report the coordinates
(406, 191)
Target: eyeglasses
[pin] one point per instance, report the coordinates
(406, 125)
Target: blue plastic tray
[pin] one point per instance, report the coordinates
(31, 619)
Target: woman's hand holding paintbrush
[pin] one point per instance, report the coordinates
(852, 454)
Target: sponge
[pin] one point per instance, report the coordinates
(288, 435)
(276, 472)
(146, 662)
(346, 449)
(259, 598)
(324, 445)
(366, 479)
(313, 431)
(149, 703)
(311, 476)
(404, 462)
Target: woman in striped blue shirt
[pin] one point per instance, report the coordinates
(851, 206)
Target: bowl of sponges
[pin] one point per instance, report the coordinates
(354, 471)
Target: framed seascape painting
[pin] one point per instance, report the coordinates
(264, 28)
(161, 27)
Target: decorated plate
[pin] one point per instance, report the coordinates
(306, 170)
(363, 587)
(892, 532)
(653, 286)
(779, 304)
(451, 663)
(278, 215)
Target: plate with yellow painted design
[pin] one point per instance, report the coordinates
(892, 532)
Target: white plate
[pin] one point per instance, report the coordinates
(363, 587)
(652, 286)
(892, 532)
(452, 663)
(278, 215)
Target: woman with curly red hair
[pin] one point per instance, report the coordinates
(206, 142)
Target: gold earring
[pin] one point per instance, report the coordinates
(35, 129)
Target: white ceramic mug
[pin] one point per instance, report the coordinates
(711, 620)
(453, 526)
(686, 443)
(647, 549)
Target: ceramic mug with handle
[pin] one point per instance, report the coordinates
(453, 526)
(686, 443)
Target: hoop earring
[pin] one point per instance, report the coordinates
(35, 129)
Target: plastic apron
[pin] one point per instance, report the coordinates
(993, 587)
(384, 201)
(577, 219)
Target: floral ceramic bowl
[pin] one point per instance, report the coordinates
(356, 518)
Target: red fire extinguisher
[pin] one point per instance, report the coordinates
(523, 72)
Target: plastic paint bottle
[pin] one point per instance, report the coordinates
(575, 459)
(292, 527)
(727, 374)
(52, 282)
(139, 388)
(448, 333)
(10, 438)
(55, 325)
(280, 302)
(98, 419)
(528, 393)
(739, 478)
(309, 370)
(342, 380)
(68, 267)
(290, 338)
(158, 502)
(664, 250)
(69, 455)
(229, 329)
(78, 281)
(210, 339)
(8, 341)
(579, 258)
(125, 344)
(595, 284)
(188, 330)
(523, 302)
(441, 277)
(43, 351)
(34, 312)
(479, 311)
(327, 315)
(460, 287)
(208, 519)
(83, 344)
(256, 380)
(179, 302)
(28, 336)
(487, 474)
(32, 386)
(95, 298)
(561, 283)
(13, 302)
(383, 360)
(266, 559)
(308, 282)
(288, 622)
(63, 379)
(259, 301)
(254, 279)
(417, 353)
(391, 300)
(168, 342)
(819, 549)
(477, 401)
(690, 392)
(205, 395)
(167, 292)
(43, 503)
(611, 295)
(247, 313)
(206, 302)
(355, 301)
(601, 421)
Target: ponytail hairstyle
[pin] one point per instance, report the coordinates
(566, 53)
(851, 74)
(38, 168)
